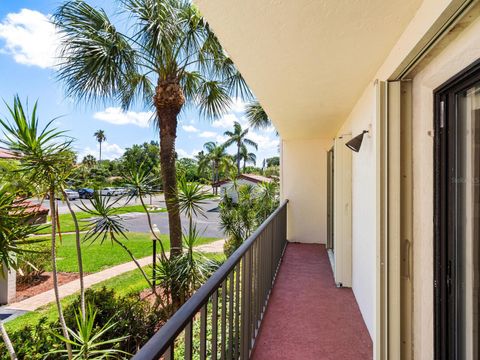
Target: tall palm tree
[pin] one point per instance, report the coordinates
(100, 136)
(216, 158)
(239, 138)
(169, 57)
(247, 157)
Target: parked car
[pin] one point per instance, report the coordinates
(85, 193)
(121, 191)
(108, 191)
(72, 194)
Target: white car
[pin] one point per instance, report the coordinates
(72, 194)
(108, 191)
(121, 191)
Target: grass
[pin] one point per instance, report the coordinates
(97, 256)
(124, 284)
(66, 221)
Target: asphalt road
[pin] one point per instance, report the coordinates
(208, 226)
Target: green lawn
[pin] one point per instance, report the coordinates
(124, 284)
(97, 256)
(66, 221)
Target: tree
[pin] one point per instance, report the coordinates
(145, 155)
(100, 136)
(256, 115)
(89, 161)
(14, 234)
(273, 161)
(46, 161)
(216, 158)
(170, 56)
(239, 138)
(247, 157)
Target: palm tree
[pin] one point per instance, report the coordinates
(100, 136)
(89, 160)
(247, 157)
(216, 158)
(256, 115)
(239, 138)
(170, 57)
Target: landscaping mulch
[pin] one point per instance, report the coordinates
(43, 283)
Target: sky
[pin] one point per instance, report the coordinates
(28, 43)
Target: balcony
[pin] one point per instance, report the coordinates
(270, 300)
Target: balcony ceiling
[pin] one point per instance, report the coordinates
(308, 61)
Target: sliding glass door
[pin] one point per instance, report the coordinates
(457, 251)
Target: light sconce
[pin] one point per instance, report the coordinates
(356, 143)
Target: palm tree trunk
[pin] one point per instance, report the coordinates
(54, 273)
(169, 100)
(238, 159)
(8, 342)
(79, 255)
(100, 155)
(214, 179)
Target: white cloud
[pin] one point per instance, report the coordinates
(185, 154)
(116, 116)
(109, 151)
(238, 105)
(265, 143)
(226, 122)
(30, 38)
(189, 128)
(207, 134)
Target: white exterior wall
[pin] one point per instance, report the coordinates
(304, 184)
(363, 206)
(231, 192)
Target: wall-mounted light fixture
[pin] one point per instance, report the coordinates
(356, 143)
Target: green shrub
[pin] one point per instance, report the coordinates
(33, 342)
(34, 261)
(135, 318)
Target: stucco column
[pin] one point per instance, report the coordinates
(8, 285)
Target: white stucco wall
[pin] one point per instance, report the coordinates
(304, 184)
(461, 52)
(230, 190)
(364, 206)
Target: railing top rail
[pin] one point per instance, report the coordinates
(159, 343)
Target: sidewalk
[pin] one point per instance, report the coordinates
(72, 287)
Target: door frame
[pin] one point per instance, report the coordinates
(444, 270)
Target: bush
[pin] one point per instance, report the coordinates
(34, 261)
(134, 318)
(33, 342)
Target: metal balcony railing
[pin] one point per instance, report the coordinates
(222, 319)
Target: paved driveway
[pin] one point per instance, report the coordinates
(207, 226)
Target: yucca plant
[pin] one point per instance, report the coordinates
(88, 342)
(14, 235)
(45, 160)
(141, 180)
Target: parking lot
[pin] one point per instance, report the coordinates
(137, 222)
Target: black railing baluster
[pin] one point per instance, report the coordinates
(224, 321)
(203, 332)
(188, 340)
(246, 279)
(237, 311)
(214, 325)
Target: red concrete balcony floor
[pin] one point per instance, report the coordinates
(308, 317)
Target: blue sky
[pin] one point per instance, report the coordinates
(27, 47)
